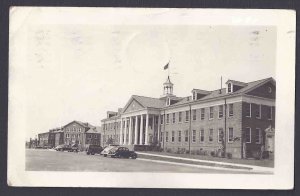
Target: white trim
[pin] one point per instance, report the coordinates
(172, 136)
(209, 134)
(194, 110)
(195, 135)
(219, 135)
(250, 110)
(271, 113)
(201, 113)
(229, 110)
(259, 112)
(201, 135)
(260, 135)
(209, 118)
(249, 134)
(219, 111)
(179, 131)
(228, 135)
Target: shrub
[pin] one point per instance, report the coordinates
(212, 153)
(168, 150)
(198, 152)
(229, 155)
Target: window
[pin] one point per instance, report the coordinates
(248, 135)
(202, 113)
(167, 136)
(161, 119)
(194, 115)
(67, 135)
(258, 112)
(95, 136)
(211, 135)
(187, 116)
(168, 101)
(179, 136)
(248, 109)
(194, 136)
(90, 136)
(220, 111)
(194, 95)
(229, 87)
(168, 118)
(161, 136)
(156, 120)
(269, 113)
(173, 117)
(220, 135)
(258, 135)
(173, 136)
(186, 136)
(211, 112)
(202, 135)
(230, 135)
(230, 109)
(180, 117)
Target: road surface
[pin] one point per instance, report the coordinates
(50, 160)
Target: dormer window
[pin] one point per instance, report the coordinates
(229, 88)
(194, 96)
(168, 101)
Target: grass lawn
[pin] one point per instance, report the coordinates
(263, 162)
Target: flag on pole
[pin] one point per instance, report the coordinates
(166, 66)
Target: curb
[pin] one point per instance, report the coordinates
(216, 164)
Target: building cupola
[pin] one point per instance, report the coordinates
(168, 87)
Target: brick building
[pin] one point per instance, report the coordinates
(236, 120)
(80, 133)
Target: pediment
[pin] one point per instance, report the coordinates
(133, 105)
(267, 90)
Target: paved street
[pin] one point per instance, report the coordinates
(50, 160)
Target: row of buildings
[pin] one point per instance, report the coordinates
(238, 120)
(75, 132)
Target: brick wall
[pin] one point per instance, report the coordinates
(216, 123)
(253, 122)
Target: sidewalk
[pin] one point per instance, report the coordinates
(204, 163)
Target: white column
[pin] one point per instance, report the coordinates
(125, 131)
(141, 131)
(153, 129)
(130, 131)
(146, 131)
(121, 132)
(158, 129)
(136, 130)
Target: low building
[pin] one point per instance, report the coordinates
(43, 139)
(229, 120)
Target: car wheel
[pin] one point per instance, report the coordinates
(87, 153)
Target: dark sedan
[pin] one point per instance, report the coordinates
(122, 152)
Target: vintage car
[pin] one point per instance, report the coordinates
(63, 148)
(106, 150)
(94, 149)
(122, 152)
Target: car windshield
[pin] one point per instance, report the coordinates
(113, 150)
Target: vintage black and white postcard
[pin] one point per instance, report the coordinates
(153, 98)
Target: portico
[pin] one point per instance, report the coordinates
(139, 128)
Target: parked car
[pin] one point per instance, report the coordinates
(63, 148)
(74, 148)
(106, 150)
(122, 152)
(94, 149)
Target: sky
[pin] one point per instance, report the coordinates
(78, 72)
